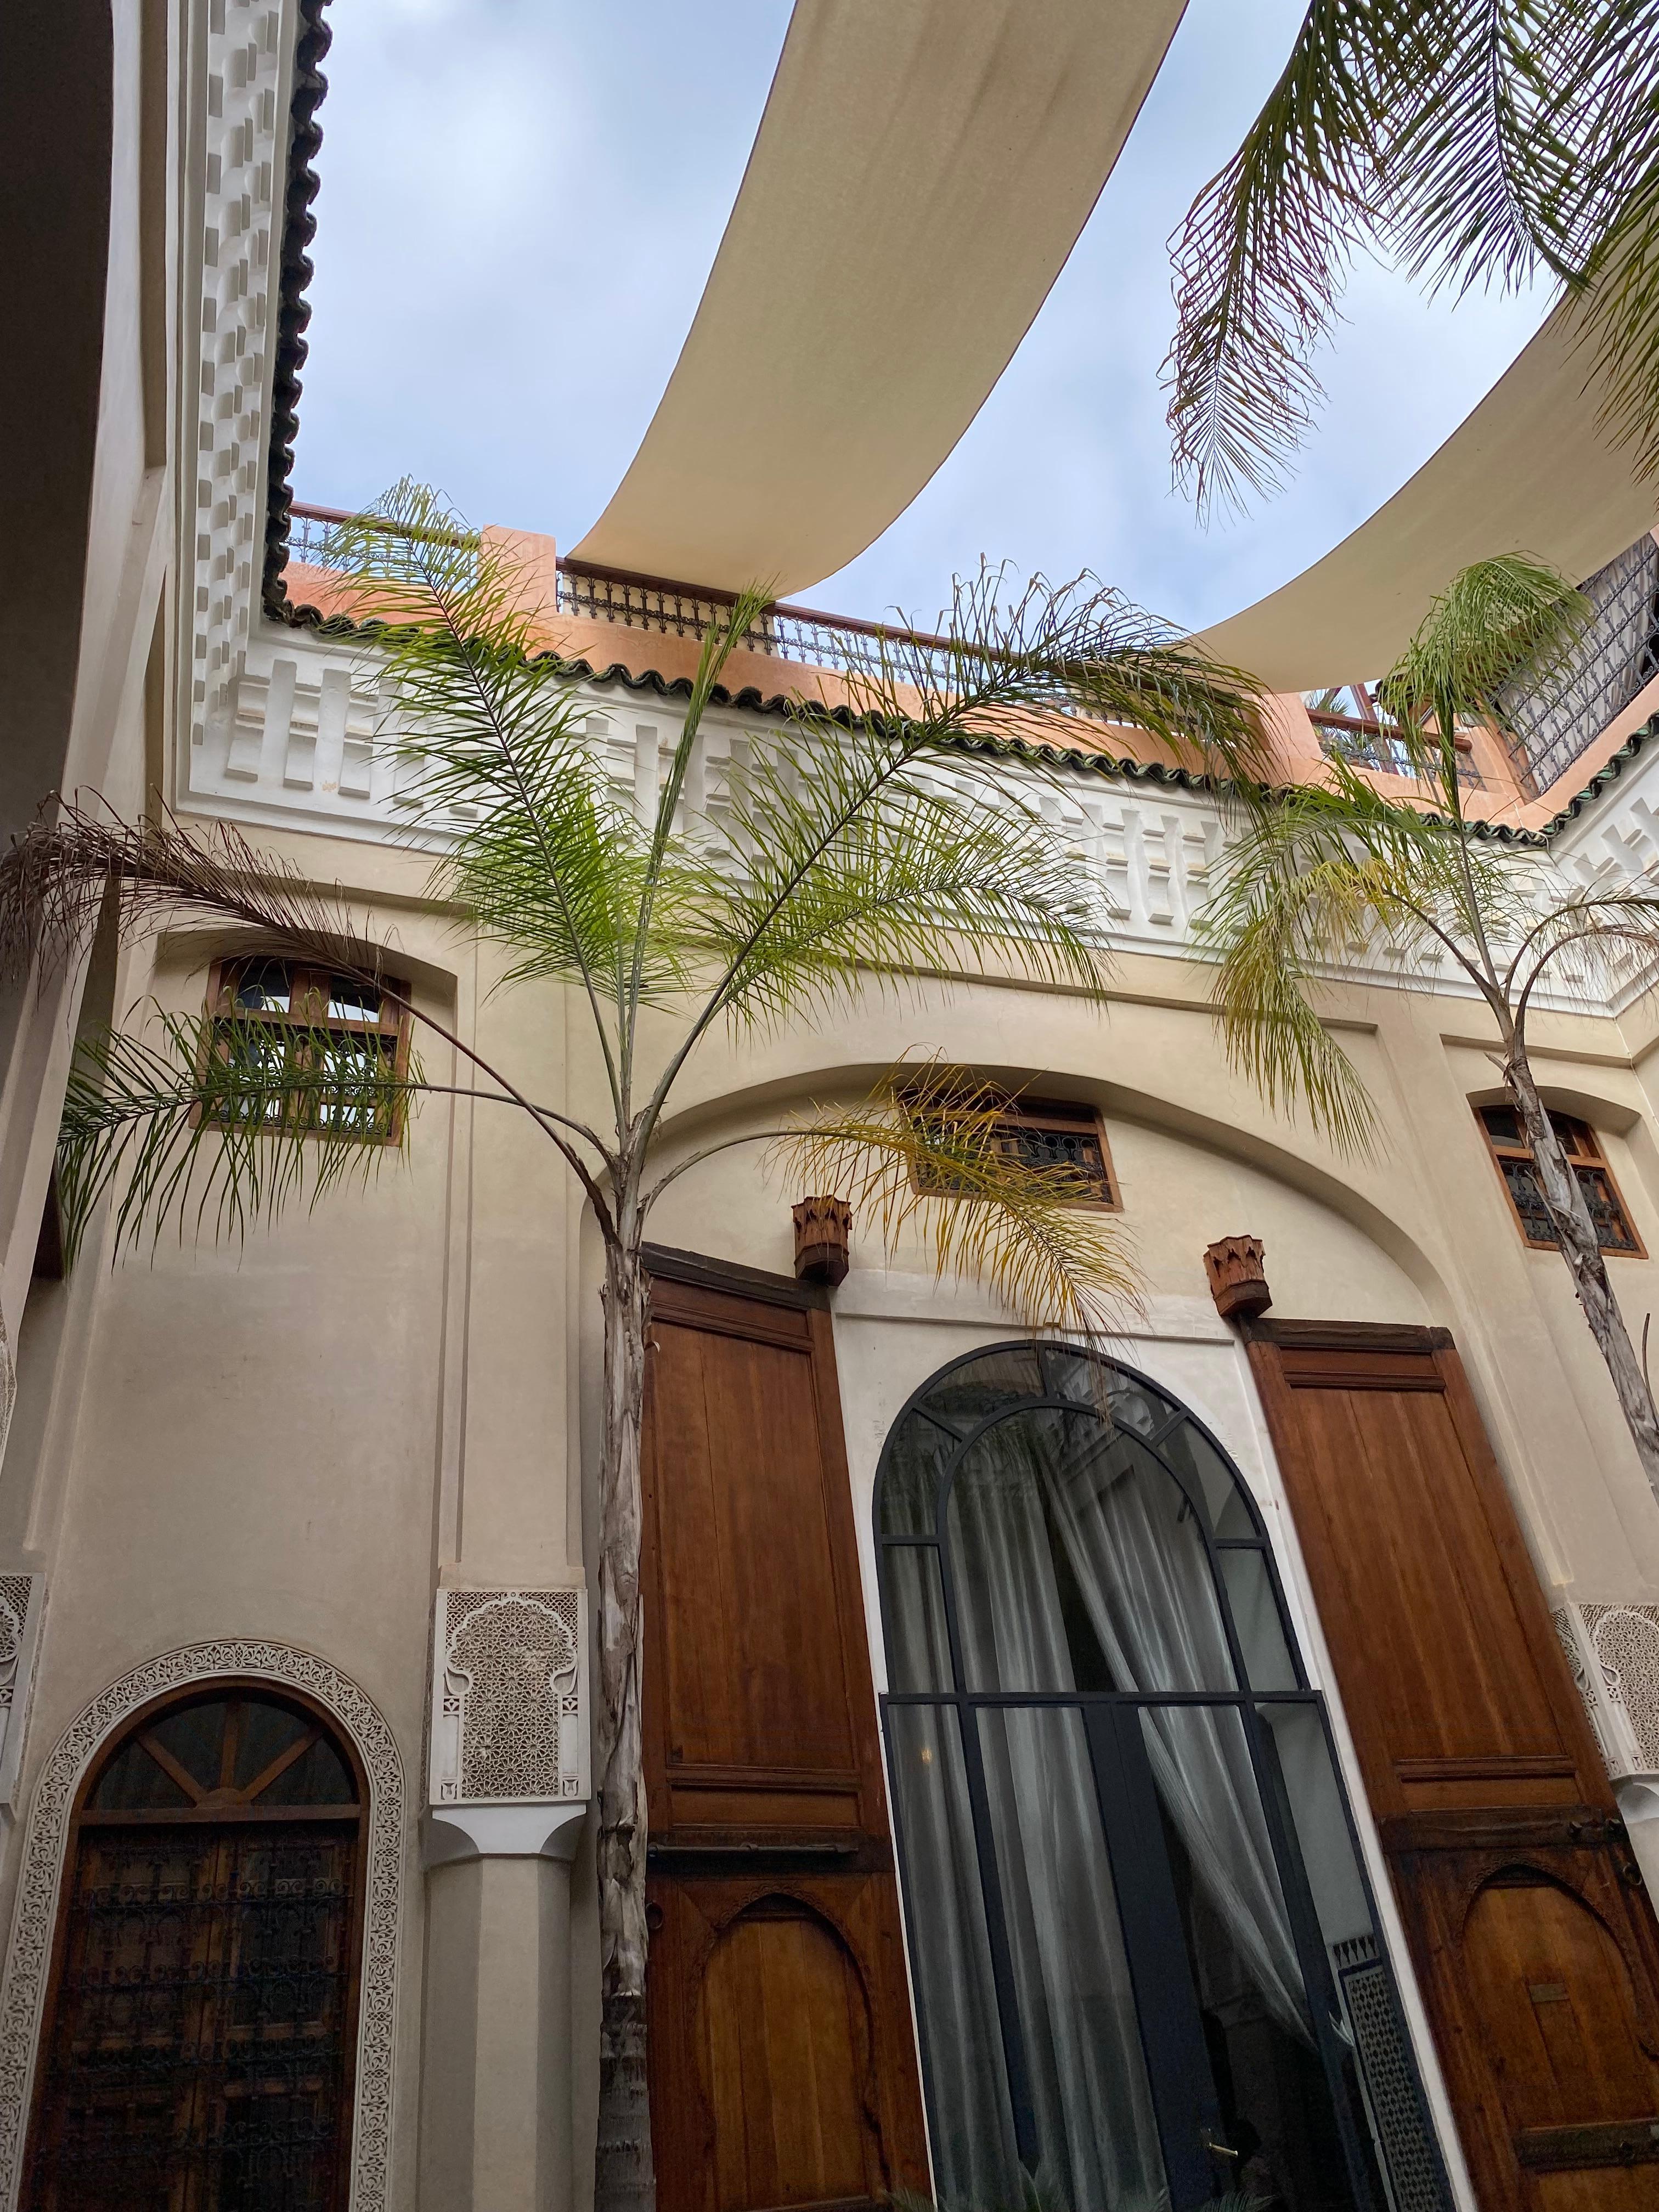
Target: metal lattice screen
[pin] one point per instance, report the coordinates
(1552, 724)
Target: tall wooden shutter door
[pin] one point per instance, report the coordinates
(1533, 1939)
(783, 2069)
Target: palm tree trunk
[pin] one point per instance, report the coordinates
(625, 2178)
(1582, 1251)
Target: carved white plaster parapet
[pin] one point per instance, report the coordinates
(34, 1915)
(23, 1610)
(510, 1762)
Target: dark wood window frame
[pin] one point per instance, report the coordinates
(311, 1009)
(224, 1809)
(1038, 1129)
(1513, 1156)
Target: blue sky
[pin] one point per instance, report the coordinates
(521, 200)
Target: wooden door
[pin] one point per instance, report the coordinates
(1534, 1942)
(783, 2067)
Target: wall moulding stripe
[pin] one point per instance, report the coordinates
(34, 1917)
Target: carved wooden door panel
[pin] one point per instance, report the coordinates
(783, 2067)
(1534, 1942)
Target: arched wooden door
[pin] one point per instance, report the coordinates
(197, 2052)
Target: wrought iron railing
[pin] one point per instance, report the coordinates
(1370, 740)
(782, 632)
(314, 536)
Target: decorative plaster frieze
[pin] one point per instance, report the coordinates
(509, 1760)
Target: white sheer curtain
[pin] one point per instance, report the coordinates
(1133, 1545)
(1138, 1569)
(1088, 2078)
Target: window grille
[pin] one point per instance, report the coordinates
(1614, 1229)
(1053, 1132)
(197, 2048)
(305, 1041)
(1550, 726)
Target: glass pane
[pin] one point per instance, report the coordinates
(918, 1647)
(967, 1393)
(352, 1002)
(1142, 1411)
(261, 987)
(317, 1777)
(1256, 1621)
(195, 1737)
(1077, 1375)
(1613, 1232)
(1504, 1123)
(1380, 2060)
(1096, 2133)
(133, 1782)
(1191, 1452)
(1270, 2078)
(263, 1732)
(1078, 1563)
(1528, 1193)
(355, 1067)
(910, 1477)
(971, 2121)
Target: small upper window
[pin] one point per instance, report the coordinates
(280, 1018)
(1049, 1133)
(1615, 1232)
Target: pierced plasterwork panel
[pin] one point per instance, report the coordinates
(509, 1696)
(22, 1605)
(22, 1996)
(1625, 1639)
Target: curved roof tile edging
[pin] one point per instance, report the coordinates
(292, 307)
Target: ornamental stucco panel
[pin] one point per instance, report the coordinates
(510, 1697)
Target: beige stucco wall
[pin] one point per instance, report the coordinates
(300, 1435)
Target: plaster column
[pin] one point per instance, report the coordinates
(496, 2109)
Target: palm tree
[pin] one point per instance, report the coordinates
(851, 850)
(1325, 874)
(1477, 142)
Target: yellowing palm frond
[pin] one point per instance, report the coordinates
(927, 1155)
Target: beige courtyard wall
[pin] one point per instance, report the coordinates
(301, 1436)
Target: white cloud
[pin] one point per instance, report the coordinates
(521, 200)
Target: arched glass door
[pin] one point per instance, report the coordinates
(197, 2048)
(1143, 1948)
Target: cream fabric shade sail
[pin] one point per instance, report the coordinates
(1529, 469)
(922, 172)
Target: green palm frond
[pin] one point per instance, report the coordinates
(927, 1154)
(1508, 620)
(1477, 142)
(220, 1120)
(491, 728)
(1324, 877)
(1261, 258)
(1033, 659)
(856, 855)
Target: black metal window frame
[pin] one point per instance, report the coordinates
(1125, 1826)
